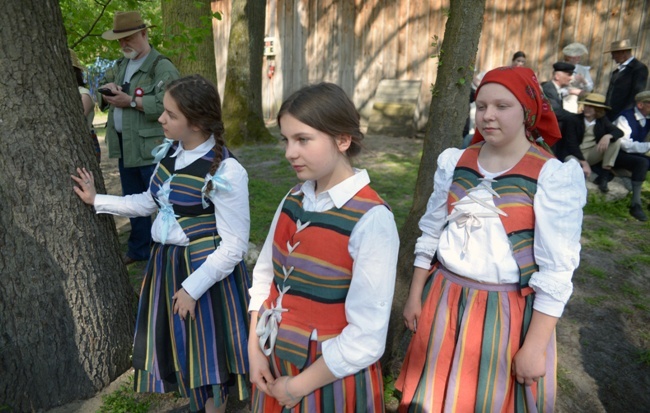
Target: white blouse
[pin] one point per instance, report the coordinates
(373, 245)
(478, 247)
(230, 210)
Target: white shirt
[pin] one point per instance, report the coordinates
(627, 143)
(561, 194)
(230, 210)
(373, 245)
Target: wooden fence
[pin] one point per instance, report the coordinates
(357, 43)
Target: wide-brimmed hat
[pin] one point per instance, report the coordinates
(575, 49)
(125, 24)
(75, 60)
(596, 100)
(624, 44)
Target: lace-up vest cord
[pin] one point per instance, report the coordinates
(312, 272)
(516, 192)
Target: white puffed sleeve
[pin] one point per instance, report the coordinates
(433, 220)
(561, 195)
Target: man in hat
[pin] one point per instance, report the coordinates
(629, 78)
(582, 80)
(136, 86)
(555, 89)
(635, 124)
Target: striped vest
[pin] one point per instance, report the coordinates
(199, 224)
(311, 248)
(517, 189)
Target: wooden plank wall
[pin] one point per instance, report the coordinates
(357, 43)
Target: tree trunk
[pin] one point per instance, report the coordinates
(67, 308)
(184, 18)
(242, 103)
(447, 114)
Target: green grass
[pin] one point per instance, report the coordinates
(596, 272)
(392, 175)
(125, 400)
(596, 300)
(600, 239)
(644, 357)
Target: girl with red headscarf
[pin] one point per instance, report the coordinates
(500, 241)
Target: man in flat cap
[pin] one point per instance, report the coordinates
(555, 89)
(635, 124)
(134, 100)
(573, 53)
(629, 78)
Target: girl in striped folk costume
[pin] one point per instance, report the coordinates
(324, 281)
(192, 323)
(502, 230)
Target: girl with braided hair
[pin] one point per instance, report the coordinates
(192, 316)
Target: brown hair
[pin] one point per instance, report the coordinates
(325, 107)
(198, 100)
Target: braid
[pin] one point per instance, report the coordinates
(199, 101)
(218, 157)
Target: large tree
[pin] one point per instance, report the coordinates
(67, 308)
(242, 101)
(447, 116)
(188, 25)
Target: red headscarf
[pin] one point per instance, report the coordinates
(539, 119)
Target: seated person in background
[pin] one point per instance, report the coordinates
(635, 127)
(598, 138)
(518, 59)
(554, 90)
(581, 77)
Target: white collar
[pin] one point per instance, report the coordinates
(342, 192)
(589, 123)
(200, 150)
(625, 63)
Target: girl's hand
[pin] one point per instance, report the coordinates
(184, 304)
(412, 311)
(260, 372)
(529, 365)
(86, 189)
(603, 143)
(282, 391)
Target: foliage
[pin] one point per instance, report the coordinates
(391, 394)
(85, 21)
(125, 400)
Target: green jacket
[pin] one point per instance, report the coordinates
(141, 131)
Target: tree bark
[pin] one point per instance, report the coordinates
(182, 17)
(67, 308)
(447, 114)
(242, 102)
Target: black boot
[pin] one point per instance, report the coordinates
(637, 212)
(602, 180)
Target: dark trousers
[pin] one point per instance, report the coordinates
(135, 181)
(636, 163)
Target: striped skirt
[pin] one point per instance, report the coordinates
(198, 358)
(460, 358)
(361, 392)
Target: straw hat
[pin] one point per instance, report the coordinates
(125, 24)
(575, 49)
(624, 44)
(75, 60)
(596, 100)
